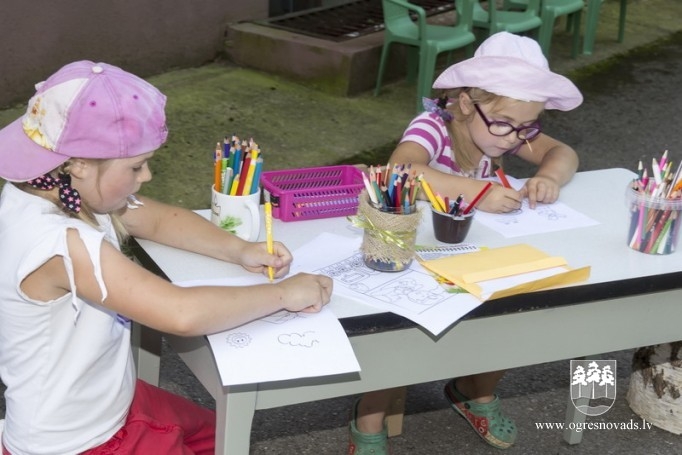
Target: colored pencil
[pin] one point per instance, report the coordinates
(477, 198)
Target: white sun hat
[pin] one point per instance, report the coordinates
(513, 66)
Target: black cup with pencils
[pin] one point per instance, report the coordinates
(452, 219)
(451, 227)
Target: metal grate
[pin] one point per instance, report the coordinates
(348, 21)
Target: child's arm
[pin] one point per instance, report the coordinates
(140, 295)
(557, 163)
(184, 229)
(497, 199)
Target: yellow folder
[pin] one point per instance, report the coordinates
(521, 261)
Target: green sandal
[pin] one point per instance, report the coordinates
(366, 443)
(485, 418)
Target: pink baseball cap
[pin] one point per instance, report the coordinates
(513, 66)
(84, 110)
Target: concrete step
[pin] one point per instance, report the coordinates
(335, 64)
(338, 68)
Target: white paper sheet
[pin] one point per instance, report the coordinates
(413, 293)
(489, 287)
(281, 346)
(526, 221)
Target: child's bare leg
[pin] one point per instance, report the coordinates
(371, 411)
(480, 387)
(367, 431)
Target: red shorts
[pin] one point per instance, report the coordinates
(161, 422)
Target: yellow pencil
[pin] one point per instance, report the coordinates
(441, 202)
(250, 171)
(235, 184)
(429, 194)
(268, 237)
(249, 178)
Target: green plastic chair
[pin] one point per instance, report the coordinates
(592, 21)
(426, 41)
(495, 20)
(550, 11)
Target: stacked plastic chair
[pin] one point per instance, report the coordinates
(550, 11)
(494, 20)
(406, 24)
(592, 21)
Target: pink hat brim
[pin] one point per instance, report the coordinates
(513, 78)
(21, 159)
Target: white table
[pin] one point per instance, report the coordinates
(618, 308)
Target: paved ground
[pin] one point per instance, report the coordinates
(631, 110)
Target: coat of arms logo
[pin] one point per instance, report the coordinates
(593, 385)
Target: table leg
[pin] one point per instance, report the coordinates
(396, 412)
(234, 416)
(574, 420)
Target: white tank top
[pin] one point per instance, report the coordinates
(67, 363)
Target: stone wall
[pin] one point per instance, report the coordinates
(145, 37)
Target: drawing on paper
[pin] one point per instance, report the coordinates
(242, 339)
(238, 339)
(407, 289)
(306, 339)
(280, 317)
(411, 289)
(547, 212)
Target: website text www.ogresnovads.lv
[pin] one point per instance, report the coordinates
(578, 427)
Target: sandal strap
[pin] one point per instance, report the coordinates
(486, 418)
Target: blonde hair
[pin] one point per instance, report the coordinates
(464, 152)
(86, 214)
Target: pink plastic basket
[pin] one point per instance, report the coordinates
(310, 193)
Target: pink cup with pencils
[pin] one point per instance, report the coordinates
(654, 221)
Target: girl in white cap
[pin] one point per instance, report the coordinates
(489, 109)
(73, 164)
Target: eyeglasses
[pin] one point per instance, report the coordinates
(498, 128)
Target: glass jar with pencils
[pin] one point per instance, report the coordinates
(390, 232)
(654, 221)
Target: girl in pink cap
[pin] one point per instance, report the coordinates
(489, 108)
(73, 164)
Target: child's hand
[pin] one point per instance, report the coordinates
(255, 258)
(540, 189)
(500, 200)
(306, 292)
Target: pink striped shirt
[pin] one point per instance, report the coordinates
(428, 130)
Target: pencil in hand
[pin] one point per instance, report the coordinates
(503, 178)
(268, 237)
